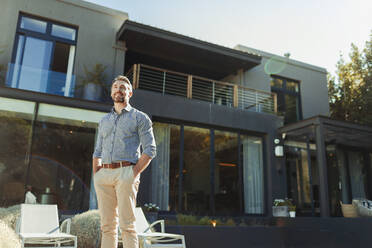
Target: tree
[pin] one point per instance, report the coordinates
(351, 96)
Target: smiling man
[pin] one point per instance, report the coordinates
(118, 163)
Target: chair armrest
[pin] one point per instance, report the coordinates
(162, 227)
(18, 225)
(68, 225)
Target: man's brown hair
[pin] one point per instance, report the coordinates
(122, 79)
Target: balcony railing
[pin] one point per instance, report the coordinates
(40, 80)
(194, 87)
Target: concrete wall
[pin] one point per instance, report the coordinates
(97, 27)
(281, 233)
(313, 80)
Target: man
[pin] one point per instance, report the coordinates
(118, 163)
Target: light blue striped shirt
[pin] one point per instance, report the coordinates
(120, 136)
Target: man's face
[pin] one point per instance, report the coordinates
(121, 92)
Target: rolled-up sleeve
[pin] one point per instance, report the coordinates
(98, 149)
(146, 136)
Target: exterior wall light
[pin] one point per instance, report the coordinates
(279, 151)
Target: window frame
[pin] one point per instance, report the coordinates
(43, 36)
(282, 91)
(47, 36)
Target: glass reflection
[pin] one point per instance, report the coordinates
(15, 135)
(292, 86)
(357, 172)
(226, 185)
(33, 73)
(63, 32)
(33, 25)
(62, 154)
(196, 170)
(174, 168)
(252, 174)
(291, 109)
(276, 82)
(164, 172)
(301, 188)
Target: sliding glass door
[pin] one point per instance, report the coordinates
(204, 171)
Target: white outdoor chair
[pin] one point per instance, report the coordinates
(149, 239)
(38, 225)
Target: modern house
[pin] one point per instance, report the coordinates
(219, 115)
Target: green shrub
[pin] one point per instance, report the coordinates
(229, 222)
(205, 221)
(186, 220)
(10, 215)
(170, 222)
(86, 227)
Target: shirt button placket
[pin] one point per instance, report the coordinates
(113, 135)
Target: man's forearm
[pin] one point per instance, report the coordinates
(142, 164)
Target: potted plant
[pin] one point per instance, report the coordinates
(284, 208)
(94, 83)
(151, 212)
(280, 209)
(291, 209)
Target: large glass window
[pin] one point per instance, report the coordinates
(62, 155)
(253, 174)
(358, 177)
(288, 98)
(174, 168)
(15, 137)
(43, 57)
(348, 172)
(165, 166)
(196, 182)
(302, 178)
(214, 179)
(226, 183)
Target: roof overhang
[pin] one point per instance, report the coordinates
(214, 59)
(334, 132)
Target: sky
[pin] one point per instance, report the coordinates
(312, 31)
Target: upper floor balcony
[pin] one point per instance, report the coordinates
(202, 89)
(147, 78)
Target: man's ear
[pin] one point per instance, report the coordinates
(130, 94)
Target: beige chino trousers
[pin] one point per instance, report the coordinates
(116, 195)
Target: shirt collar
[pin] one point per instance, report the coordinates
(128, 108)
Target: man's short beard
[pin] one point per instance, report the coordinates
(119, 99)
